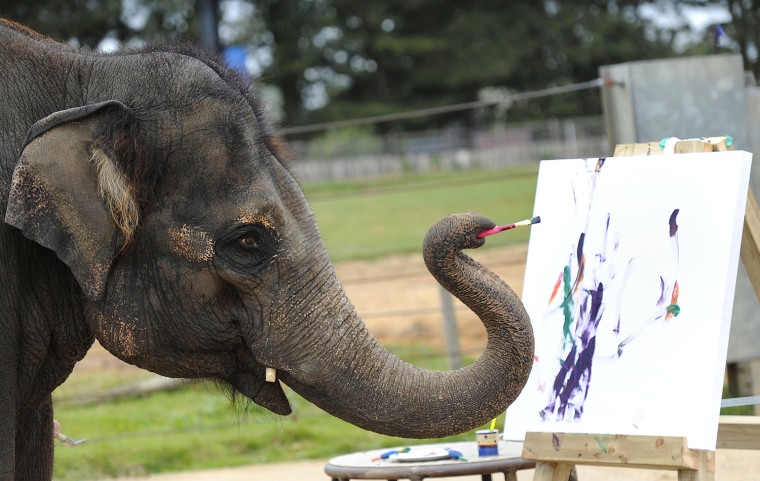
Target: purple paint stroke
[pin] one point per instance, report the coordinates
(571, 385)
(662, 291)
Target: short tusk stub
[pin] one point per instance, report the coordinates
(270, 375)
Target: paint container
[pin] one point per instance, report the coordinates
(488, 442)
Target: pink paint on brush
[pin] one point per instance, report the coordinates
(502, 228)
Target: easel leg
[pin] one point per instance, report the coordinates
(552, 471)
(573, 474)
(705, 471)
(695, 475)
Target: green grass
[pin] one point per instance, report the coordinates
(197, 427)
(738, 411)
(370, 219)
(735, 410)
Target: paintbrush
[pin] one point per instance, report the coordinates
(502, 228)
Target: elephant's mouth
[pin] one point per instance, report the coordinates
(251, 383)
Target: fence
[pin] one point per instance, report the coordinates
(451, 148)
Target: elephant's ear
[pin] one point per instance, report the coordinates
(70, 195)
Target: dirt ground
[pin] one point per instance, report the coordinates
(400, 303)
(730, 465)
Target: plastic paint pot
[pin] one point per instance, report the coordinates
(488, 442)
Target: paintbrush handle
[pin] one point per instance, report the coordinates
(502, 228)
(495, 230)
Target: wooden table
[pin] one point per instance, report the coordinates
(360, 465)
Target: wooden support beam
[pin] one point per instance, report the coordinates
(750, 249)
(739, 432)
(654, 452)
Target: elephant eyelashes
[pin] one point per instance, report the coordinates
(247, 246)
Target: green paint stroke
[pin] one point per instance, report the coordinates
(602, 443)
(567, 305)
(673, 309)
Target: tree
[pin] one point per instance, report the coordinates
(88, 22)
(741, 34)
(297, 37)
(580, 37)
(414, 53)
(337, 59)
(84, 22)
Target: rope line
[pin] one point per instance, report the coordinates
(443, 109)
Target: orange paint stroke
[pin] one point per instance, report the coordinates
(673, 301)
(556, 288)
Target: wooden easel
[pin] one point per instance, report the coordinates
(556, 453)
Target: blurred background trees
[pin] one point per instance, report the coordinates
(337, 59)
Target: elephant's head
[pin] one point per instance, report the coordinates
(198, 256)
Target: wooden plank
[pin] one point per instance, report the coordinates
(739, 432)
(655, 452)
(646, 148)
(692, 146)
(750, 249)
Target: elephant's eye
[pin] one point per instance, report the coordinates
(253, 238)
(248, 242)
(247, 246)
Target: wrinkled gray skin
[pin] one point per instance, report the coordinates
(146, 207)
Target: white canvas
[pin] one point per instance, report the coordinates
(644, 331)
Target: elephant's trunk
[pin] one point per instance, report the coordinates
(368, 386)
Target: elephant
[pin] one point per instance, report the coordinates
(151, 207)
